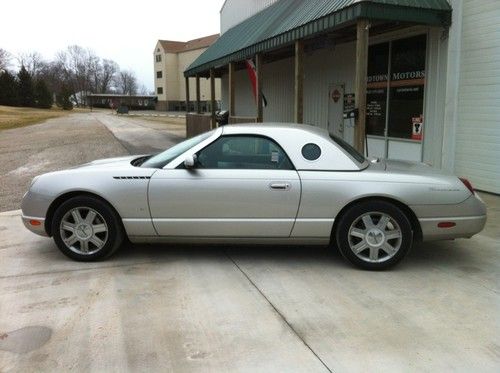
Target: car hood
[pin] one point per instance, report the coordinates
(117, 162)
(100, 169)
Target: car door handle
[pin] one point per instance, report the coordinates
(279, 186)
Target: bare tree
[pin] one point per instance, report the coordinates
(143, 91)
(82, 69)
(94, 72)
(109, 70)
(33, 62)
(5, 58)
(55, 76)
(77, 71)
(127, 82)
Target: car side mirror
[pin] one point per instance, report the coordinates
(190, 161)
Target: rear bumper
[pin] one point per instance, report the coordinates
(39, 228)
(469, 218)
(465, 227)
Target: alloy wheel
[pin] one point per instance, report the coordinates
(375, 237)
(83, 230)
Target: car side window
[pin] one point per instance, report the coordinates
(243, 152)
(311, 151)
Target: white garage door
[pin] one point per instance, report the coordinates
(478, 127)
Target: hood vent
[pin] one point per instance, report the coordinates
(131, 177)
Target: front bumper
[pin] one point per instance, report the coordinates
(35, 225)
(34, 206)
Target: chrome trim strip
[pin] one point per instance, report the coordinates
(270, 220)
(319, 220)
(323, 241)
(224, 220)
(460, 218)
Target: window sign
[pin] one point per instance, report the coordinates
(376, 90)
(407, 85)
(403, 62)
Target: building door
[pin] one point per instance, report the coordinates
(395, 98)
(336, 110)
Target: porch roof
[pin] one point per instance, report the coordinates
(288, 20)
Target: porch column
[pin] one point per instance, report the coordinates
(187, 94)
(231, 90)
(212, 96)
(299, 82)
(360, 83)
(198, 105)
(258, 86)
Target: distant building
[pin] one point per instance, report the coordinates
(170, 59)
(114, 101)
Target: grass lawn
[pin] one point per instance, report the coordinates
(12, 117)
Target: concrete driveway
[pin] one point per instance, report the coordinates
(227, 308)
(141, 136)
(181, 308)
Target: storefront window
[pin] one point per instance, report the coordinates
(406, 88)
(376, 92)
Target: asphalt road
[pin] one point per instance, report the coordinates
(228, 308)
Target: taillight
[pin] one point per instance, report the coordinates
(446, 224)
(467, 184)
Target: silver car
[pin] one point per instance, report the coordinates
(258, 184)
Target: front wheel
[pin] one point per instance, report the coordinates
(374, 235)
(86, 229)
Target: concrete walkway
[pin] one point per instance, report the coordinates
(140, 136)
(269, 309)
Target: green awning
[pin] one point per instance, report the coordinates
(288, 20)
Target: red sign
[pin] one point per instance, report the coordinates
(335, 95)
(417, 126)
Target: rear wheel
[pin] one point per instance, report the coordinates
(86, 229)
(374, 235)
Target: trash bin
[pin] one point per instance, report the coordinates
(222, 117)
(122, 109)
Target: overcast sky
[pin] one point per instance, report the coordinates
(124, 31)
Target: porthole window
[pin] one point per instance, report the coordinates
(311, 152)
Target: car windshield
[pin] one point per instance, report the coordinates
(348, 148)
(160, 160)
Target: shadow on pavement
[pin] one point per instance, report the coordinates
(442, 254)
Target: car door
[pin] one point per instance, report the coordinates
(241, 186)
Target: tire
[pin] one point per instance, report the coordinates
(374, 235)
(87, 229)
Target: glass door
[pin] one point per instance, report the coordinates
(395, 98)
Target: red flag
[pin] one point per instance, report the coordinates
(252, 75)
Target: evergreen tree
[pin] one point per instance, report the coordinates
(8, 89)
(63, 98)
(26, 90)
(43, 97)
